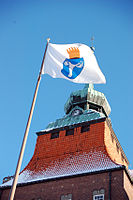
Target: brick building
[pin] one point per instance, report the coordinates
(77, 157)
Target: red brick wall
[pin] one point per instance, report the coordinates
(99, 136)
(127, 186)
(81, 188)
(48, 148)
(118, 191)
(112, 148)
(65, 144)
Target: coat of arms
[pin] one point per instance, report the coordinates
(73, 65)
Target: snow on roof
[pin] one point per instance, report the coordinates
(80, 163)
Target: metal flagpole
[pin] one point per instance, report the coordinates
(13, 188)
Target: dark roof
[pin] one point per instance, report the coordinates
(73, 119)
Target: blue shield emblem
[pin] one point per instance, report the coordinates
(72, 67)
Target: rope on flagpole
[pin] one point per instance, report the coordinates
(15, 180)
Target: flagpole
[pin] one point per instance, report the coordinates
(15, 180)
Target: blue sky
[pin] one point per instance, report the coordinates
(24, 27)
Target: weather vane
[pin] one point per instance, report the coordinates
(92, 44)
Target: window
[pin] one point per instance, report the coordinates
(70, 132)
(85, 128)
(98, 197)
(76, 98)
(66, 197)
(98, 194)
(54, 135)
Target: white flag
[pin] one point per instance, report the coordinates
(74, 62)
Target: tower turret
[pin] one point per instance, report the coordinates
(88, 98)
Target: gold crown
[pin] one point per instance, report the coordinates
(73, 52)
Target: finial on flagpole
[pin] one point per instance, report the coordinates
(48, 39)
(92, 44)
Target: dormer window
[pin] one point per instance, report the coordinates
(54, 135)
(70, 132)
(85, 128)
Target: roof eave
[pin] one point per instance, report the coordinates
(71, 126)
(71, 176)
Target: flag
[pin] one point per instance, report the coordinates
(74, 62)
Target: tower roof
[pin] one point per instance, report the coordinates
(88, 98)
(75, 117)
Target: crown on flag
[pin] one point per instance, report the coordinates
(73, 52)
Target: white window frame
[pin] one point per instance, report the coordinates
(96, 195)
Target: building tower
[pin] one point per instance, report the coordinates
(77, 157)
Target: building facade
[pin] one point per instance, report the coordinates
(77, 157)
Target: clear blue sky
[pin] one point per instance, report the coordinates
(24, 27)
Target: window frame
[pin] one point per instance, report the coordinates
(85, 128)
(96, 195)
(70, 132)
(54, 135)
